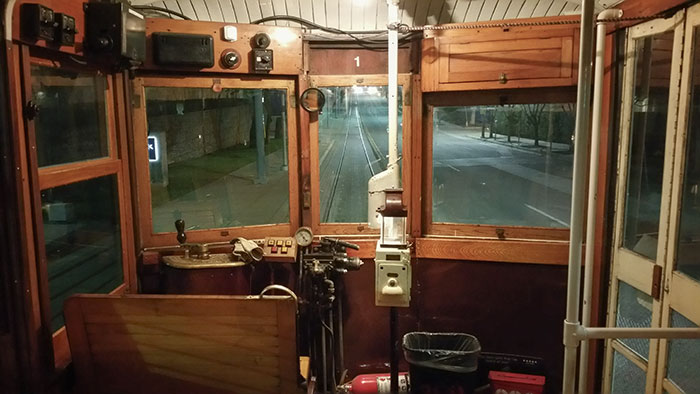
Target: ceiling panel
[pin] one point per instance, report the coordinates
(368, 14)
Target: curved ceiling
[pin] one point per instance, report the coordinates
(358, 15)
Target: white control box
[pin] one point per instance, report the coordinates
(392, 277)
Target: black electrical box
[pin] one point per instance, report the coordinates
(184, 50)
(37, 22)
(115, 29)
(65, 29)
(263, 60)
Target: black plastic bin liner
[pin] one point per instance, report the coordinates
(442, 362)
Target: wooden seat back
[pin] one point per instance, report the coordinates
(182, 344)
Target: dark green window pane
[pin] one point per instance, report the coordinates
(211, 163)
(71, 125)
(353, 146)
(688, 260)
(627, 378)
(634, 311)
(684, 357)
(653, 57)
(503, 165)
(83, 240)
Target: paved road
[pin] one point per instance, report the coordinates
(475, 180)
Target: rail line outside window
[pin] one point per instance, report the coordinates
(353, 147)
(508, 165)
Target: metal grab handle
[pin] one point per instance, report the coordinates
(280, 288)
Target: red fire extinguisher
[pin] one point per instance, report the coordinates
(376, 384)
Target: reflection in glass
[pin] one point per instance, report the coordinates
(684, 357)
(83, 240)
(653, 56)
(217, 159)
(634, 311)
(688, 259)
(353, 146)
(627, 377)
(71, 124)
(503, 165)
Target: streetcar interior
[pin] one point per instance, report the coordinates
(349, 196)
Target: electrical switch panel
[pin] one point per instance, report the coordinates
(392, 277)
(279, 249)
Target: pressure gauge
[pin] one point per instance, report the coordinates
(304, 236)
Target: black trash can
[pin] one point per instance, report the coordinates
(442, 363)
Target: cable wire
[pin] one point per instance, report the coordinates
(161, 9)
(363, 42)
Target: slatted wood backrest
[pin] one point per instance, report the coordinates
(182, 344)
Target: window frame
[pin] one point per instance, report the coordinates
(144, 220)
(319, 81)
(115, 164)
(432, 229)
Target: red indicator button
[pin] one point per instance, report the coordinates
(273, 249)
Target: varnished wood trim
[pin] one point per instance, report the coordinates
(29, 320)
(37, 221)
(491, 231)
(415, 158)
(50, 177)
(121, 109)
(546, 253)
(504, 96)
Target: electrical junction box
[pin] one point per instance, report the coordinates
(392, 276)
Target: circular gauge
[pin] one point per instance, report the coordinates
(304, 236)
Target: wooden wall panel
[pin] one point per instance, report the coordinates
(345, 62)
(514, 309)
(500, 58)
(286, 44)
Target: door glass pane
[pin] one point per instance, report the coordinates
(688, 260)
(628, 378)
(72, 121)
(83, 240)
(353, 146)
(684, 357)
(653, 56)
(217, 159)
(503, 165)
(634, 311)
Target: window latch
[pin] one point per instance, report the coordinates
(31, 110)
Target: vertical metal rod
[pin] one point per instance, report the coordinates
(331, 343)
(591, 220)
(393, 339)
(393, 17)
(341, 350)
(324, 361)
(260, 136)
(583, 107)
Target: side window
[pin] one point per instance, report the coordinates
(80, 177)
(507, 165)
